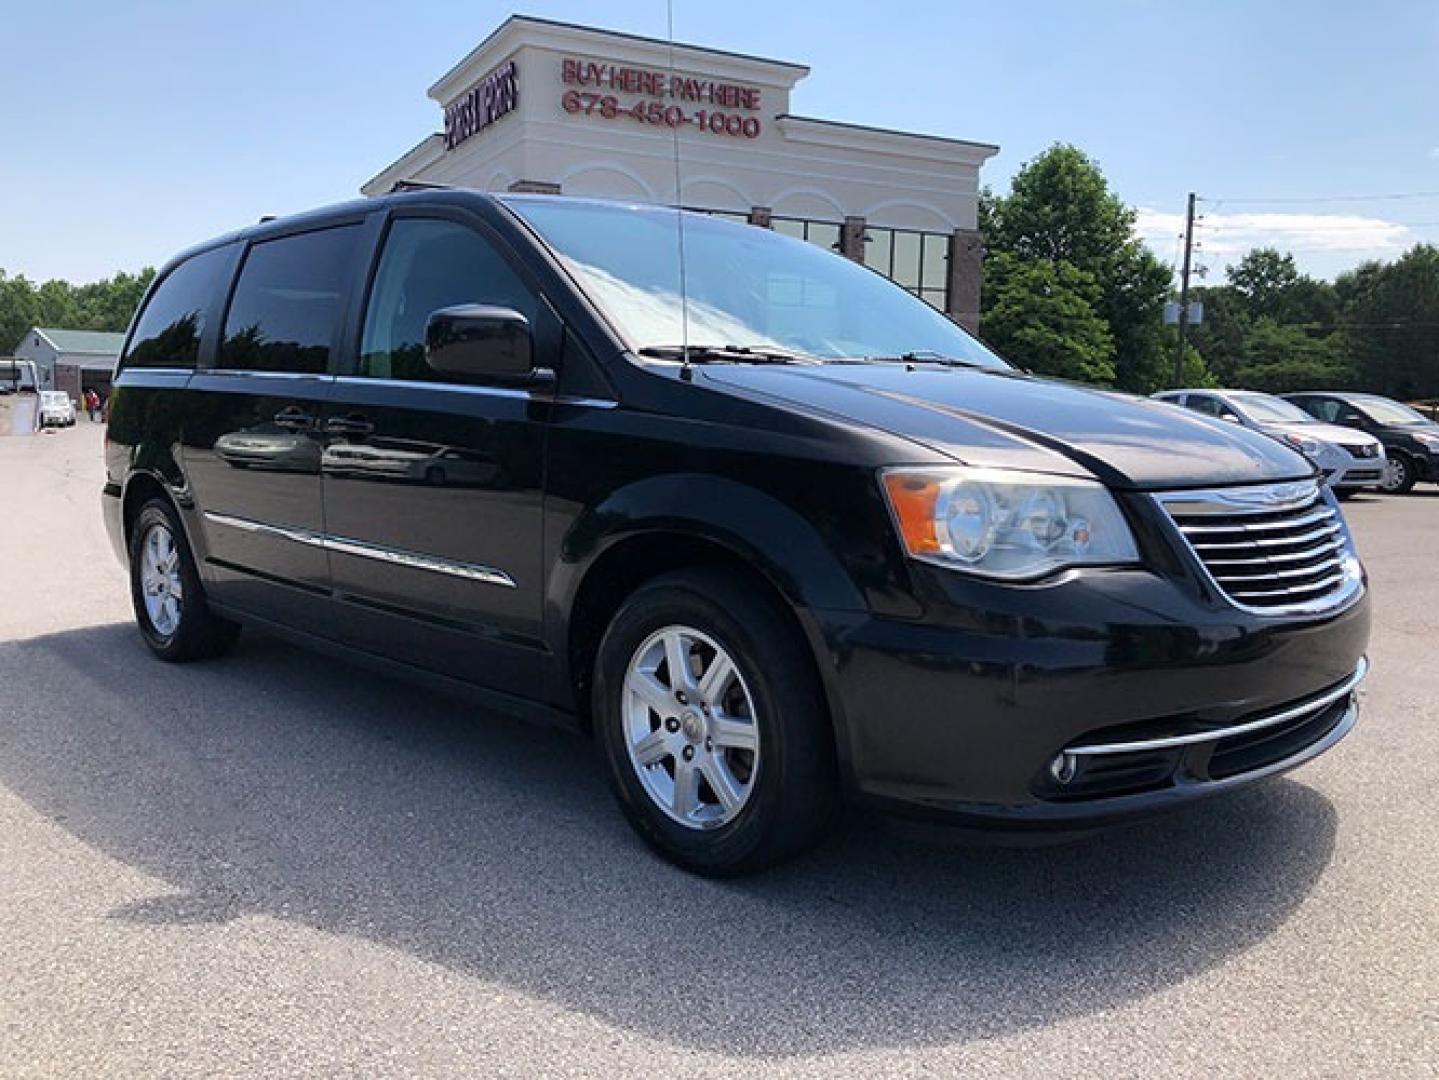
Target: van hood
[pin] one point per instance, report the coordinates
(1004, 419)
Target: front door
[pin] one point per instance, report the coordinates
(252, 441)
(432, 488)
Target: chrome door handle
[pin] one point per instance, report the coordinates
(348, 425)
(294, 419)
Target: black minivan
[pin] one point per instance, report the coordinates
(772, 529)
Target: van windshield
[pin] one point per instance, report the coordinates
(747, 288)
(1390, 412)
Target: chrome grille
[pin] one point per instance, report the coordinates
(1269, 548)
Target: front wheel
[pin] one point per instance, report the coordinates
(1399, 475)
(711, 718)
(165, 590)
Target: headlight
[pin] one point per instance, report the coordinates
(1303, 443)
(1431, 441)
(1009, 525)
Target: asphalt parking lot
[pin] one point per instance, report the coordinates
(275, 865)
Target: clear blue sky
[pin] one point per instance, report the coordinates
(130, 130)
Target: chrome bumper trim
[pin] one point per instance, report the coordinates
(1314, 705)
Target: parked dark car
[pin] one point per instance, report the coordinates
(1411, 439)
(774, 531)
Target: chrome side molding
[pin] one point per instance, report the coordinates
(345, 545)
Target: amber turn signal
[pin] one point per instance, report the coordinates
(913, 497)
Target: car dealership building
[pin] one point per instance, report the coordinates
(552, 107)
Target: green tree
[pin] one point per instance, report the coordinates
(1043, 315)
(1262, 278)
(1271, 287)
(1280, 357)
(108, 304)
(1391, 312)
(1060, 211)
(1220, 335)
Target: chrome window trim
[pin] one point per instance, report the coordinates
(470, 388)
(1314, 705)
(306, 376)
(1261, 499)
(345, 545)
(404, 384)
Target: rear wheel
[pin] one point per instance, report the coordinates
(711, 718)
(1399, 475)
(165, 590)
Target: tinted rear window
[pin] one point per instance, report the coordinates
(287, 304)
(169, 331)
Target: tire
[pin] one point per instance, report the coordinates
(786, 785)
(1400, 475)
(177, 628)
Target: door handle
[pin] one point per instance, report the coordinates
(294, 419)
(348, 425)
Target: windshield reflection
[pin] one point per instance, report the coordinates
(744, 286)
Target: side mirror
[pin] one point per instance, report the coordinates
(486, 344)
(1233, 418)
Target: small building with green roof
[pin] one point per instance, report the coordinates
(72, 360)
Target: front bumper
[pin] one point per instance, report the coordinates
(969, 714)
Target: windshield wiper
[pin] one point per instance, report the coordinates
(928, 356)
(733, 354)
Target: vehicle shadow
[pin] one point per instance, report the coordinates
(345, 801)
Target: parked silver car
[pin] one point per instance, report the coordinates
(1349, 459)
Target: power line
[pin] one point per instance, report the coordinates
(1324, 198)
(1338, 226)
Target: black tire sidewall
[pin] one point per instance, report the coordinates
(785, 711)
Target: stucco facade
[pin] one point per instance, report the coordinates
(543, 106)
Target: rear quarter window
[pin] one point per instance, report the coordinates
(173, 322)
(289, 301)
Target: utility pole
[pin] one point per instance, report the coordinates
(1184, 293)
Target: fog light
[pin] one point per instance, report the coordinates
(1063, 768)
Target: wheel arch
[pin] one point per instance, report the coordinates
(141, 486)
(638, 534)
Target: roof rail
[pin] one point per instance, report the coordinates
(419, 185)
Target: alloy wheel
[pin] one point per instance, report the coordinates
(160, 584)
(690, 727)
(1396, 473)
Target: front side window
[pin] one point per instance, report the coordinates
(428, 264)
(742, 286)
(168, 333)
(1326, 409)
(1203, 403)
(288, 303)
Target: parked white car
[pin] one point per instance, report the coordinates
(56, 409)
(1350, 460)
